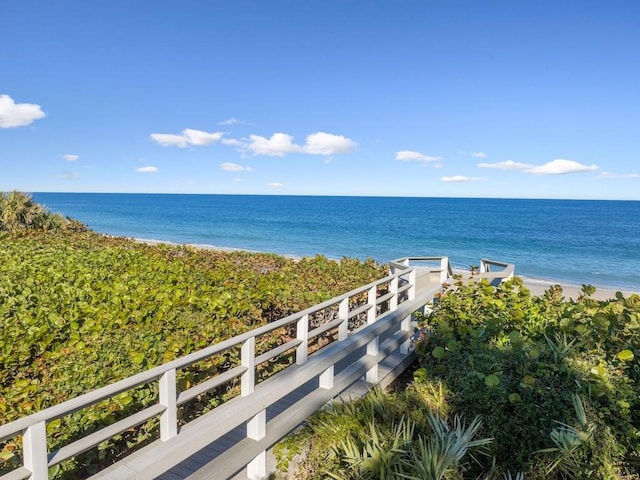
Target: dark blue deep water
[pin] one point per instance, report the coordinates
(568, 241)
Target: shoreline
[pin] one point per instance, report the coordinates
(538, 287)
(535, 285)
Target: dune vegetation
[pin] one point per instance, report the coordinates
(79, 310)
(506, 386)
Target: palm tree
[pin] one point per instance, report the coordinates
(16, 211)
(19, 212)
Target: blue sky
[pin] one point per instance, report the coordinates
(458, 98)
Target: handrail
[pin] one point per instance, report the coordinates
(496, 276)
(401, 285)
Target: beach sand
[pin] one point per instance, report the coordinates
(537, 287)
(570, 291)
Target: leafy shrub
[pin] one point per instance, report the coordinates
(371, 439)
(519, 361)
(554, 381)
(80, 310)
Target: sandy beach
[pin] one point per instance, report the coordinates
(538, 287)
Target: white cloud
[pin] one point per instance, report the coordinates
(276, 185)
(319, 143)
(461, 178)
(18, 114)
(561, 166)
(234, 167)
(198, 137)
(233, 142)
(411, 156)
(479, 154)
(70, 157)
(277, 146)
(148, 169)
(619, 175)
(229, 121)
(169, 140)
(506, 165)
(189, 136)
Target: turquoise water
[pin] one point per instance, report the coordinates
(568, 241)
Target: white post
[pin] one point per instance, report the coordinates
(444, 269)
(302, 333)
(393, 288)
(405, 326)
(248, 360)
(484, 267)
(34, 441)
(257, 426)
(168, 397)
(343, 314)
(413, 276)
(326, 378)
(257, 430)
(373, 345)
(371, 300)
(257, 468)
(372, 373)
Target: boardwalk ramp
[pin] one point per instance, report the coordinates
(342, 346)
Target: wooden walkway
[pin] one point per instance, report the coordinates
(202, 465)
(233, 440)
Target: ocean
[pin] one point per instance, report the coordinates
(572, 242)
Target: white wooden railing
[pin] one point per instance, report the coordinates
(385, 305)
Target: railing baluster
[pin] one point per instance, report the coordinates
(168, 397)
(302, 333)
(444, 269)
(371, 301)
(373, 345)
(405, 326)
(257, 468)
(413, 276)
(393, 288)
(248, 360)
(257, 426)
(372, 373)
(343, 313)
(326, 378)
(35, 451)
(257, 430)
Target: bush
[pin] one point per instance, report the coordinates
(80, 310)
(519, 362)
(18, 213)
(554, 382)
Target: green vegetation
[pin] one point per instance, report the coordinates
(18, 212)
(80, 310)
(554, 383)
(507, 385)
